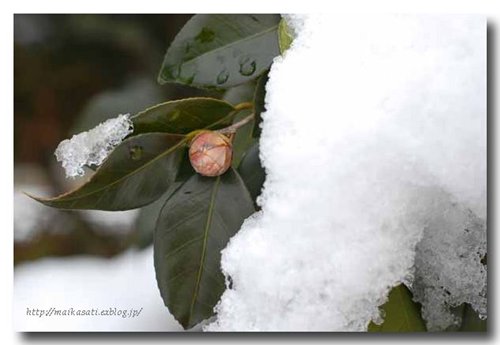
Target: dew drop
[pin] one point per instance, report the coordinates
(222, 77)
(247, 67)
(136, 152)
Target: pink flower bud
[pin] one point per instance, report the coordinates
(210, 153)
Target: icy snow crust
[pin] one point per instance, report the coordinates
(92, 147)
(374, 144)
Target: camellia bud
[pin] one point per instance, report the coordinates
(210, 153)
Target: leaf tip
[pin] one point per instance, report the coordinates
(36, 198)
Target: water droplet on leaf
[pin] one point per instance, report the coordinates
(247, 67)
(222, 77)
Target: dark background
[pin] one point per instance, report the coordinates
(72, 72)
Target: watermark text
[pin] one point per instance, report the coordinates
(111, 311)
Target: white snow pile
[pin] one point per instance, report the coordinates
(30, 217)
(111, 222)
(374, 139)
(92, 147)
(448, 268)
(84, 283)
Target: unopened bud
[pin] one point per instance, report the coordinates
(210, 153)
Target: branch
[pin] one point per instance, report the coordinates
(234, 127)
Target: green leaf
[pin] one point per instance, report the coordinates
(240, 94)
(243, 137)
(146, 220)
(185, 169)
(184, 116)
(221, 50)
(194, 225)
(252, 172)
(259, 102)
(285, 37)
(136, 173)
(401, 313)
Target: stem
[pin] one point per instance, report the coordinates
(230, 129)
(244, 105)
(234, 127)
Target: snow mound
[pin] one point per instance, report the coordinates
(448, 264)
(111, 222)
(371, 120)
(92, 147)
(30, 217)
(83, 283)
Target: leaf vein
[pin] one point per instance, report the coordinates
(203, 252)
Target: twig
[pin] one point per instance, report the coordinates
(234, 127)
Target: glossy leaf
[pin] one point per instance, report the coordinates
(184, 116)
(135, 174)
(243, 137)
(285, 36)
(259, 102)
(401, 313)
(185, 169)
(241, 93)
(145, 222)
(194, 225)
(252, 172)
(221, 50)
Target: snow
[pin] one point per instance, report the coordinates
(374, 145)
(448, 264)
(83, 283)
(30, 217)
(112, 223)
(92, 147)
